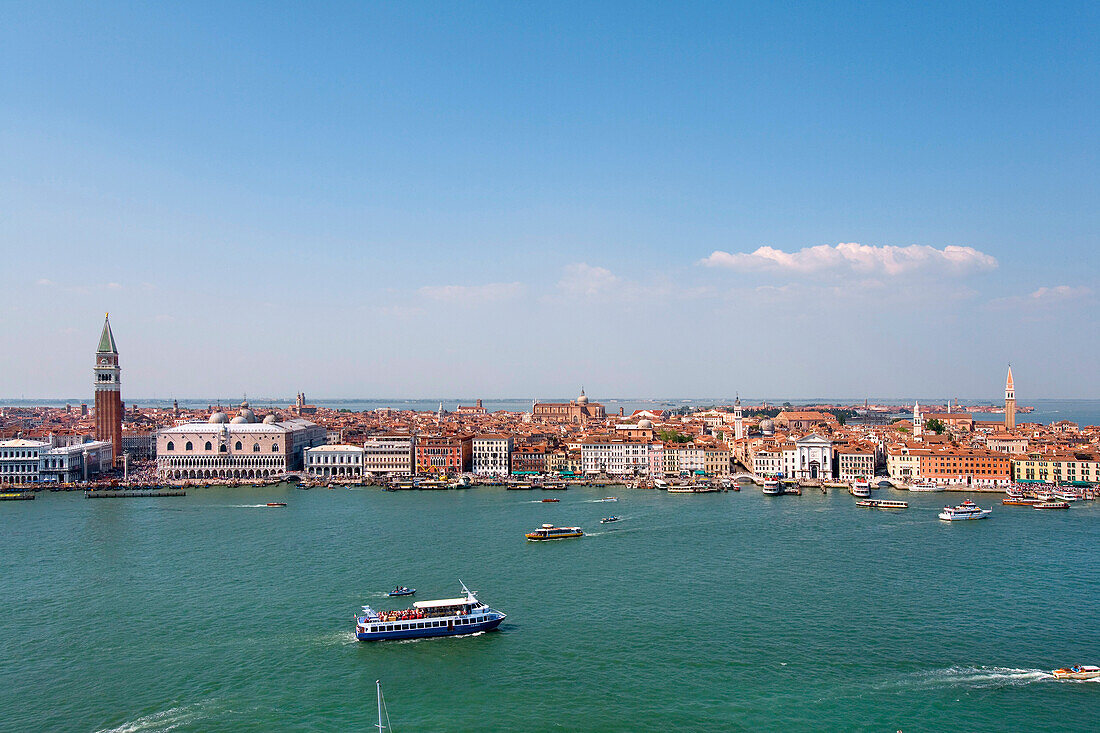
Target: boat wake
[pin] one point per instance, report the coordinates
(169, 719)
(436, 638)
(975, 677)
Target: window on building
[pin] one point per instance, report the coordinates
(189, 446)
(237, 446)
(209, 446)
(255, 447)
(171, 445)
(274, 447)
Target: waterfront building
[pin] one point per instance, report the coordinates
(342, 461)
(108, 394)
(767, 461)
(389, 455)
(529, 458)
(614, 456)
(76, 462)
(1072, 466)
(656, 459)
(492, 454)
(578, 411)
(1010, 402)
(682, 459)
(19, 460)
(855, 461)
(814, 458)
(716, 460)
(444, 454)
(957, 466)
(242, 448)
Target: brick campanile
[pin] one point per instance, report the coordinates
(108, 394)
(1010, 403)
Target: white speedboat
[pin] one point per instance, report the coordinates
(966, 510)
(925, 486)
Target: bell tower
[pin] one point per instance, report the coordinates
(108, 394)
(1010, 402)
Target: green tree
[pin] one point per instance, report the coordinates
(936, 426)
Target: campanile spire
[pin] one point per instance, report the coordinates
(108, 390)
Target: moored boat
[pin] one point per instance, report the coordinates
(1051, 505)
(926, 486)
(966, 510)
(550, 532)
(772, 487)
(860, 488)
(883, 504)
(445, 617)
(1077, 672)
(1020, 501)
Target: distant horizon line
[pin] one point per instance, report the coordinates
(822, 400)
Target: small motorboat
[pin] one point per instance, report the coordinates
(609, 498)
(1077, 672)
(1051, 505)
(276, 503)
(609, 520)
(550, 501)
(401, 591)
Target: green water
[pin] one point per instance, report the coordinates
(697, 612)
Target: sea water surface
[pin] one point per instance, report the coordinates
(696, 612)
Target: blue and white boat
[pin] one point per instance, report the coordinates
(445, 617)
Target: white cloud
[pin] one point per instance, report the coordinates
(46, 283)
(864, 259)
(583, 279)
(1043, 297)
(114, 286)
(487, 293)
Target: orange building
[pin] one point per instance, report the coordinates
(966, 467)
(444, 454)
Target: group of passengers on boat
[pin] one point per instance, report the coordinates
(415, 614)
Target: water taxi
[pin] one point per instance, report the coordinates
(926, 486)
(1051, 505)
(276, 503)
(550, 501)
(401, 590)
(446, 617)
(883, 504)
(1077, 672)
(609, 520)
(550, 532)
(966, 510)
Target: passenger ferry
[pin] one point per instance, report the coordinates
(1020, 501)
(1065, 495)
(883, 504)
(772, 487)
(692, 489)
(1052, 505)
(446, 617)
(861, 488)
(926, 486)
(1077, 672)
(966, 510)
(550, 532)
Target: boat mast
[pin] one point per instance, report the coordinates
(380, 727)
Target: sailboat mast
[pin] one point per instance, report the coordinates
(378, 683)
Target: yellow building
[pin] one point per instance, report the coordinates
(1054, 467)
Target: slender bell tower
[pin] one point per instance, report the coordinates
(108, 394)
(738, 424)
(1010, 402)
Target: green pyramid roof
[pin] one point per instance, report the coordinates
(107, 339)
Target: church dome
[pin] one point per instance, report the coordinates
(583, 399)
(767, 426)
(269, 420)
(218, 417)
(238, 420)
(245, 414)
(645, 423)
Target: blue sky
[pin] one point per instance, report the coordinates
(514, 199)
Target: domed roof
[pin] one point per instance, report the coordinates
(218, 417)
(583, 399)
(245, 414)
(238, 420)
(645, 423)
(767, 426)
(269, 420)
